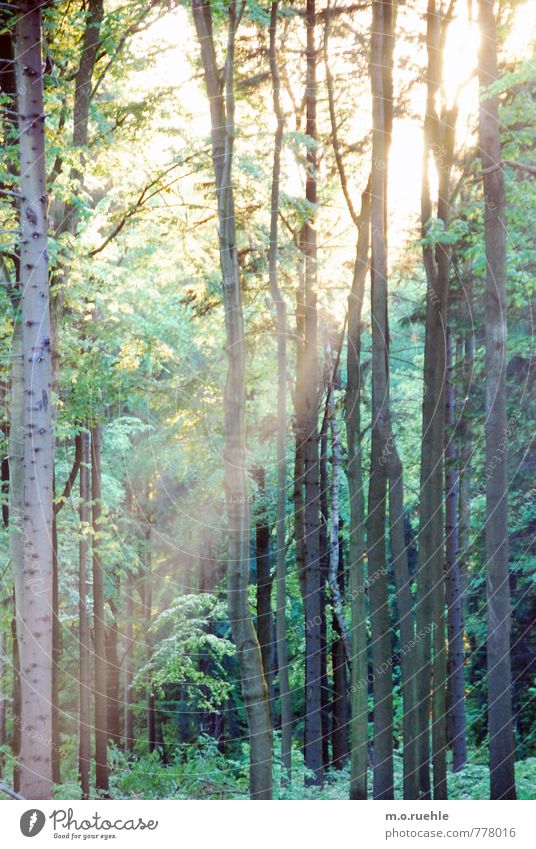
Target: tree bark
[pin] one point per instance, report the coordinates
(313, 611)
(281, 311)
(439, 132)
(354, 473)
(377, 562)
(265, 633)
(455, 663)
(34, 609)
(501, 740)
(340, 723)
(220, 94)
(84, 718)
(129, 669)
(99, 621)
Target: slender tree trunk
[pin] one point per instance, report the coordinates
(150, 710)
(340, 725)
(99, 622)
(113, 675)
(324, 573)
(84, 718)
(221, 101)
(281, 310)
(69, 224)
(129, 668)
(377, 562)
(466, 454)
(34, 609)
(354, 473)
(455, 664)
(264, 585)
(17, 697)
(439, 131)
(313, 647)
(337, 599)
(501, 740)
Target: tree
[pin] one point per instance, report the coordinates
(281, 313)
(35, 604)
(501, 742)
(220, 93)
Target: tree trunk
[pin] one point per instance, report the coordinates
(84, 718)
(265, 629)
(281, 310)
(113, 675)
(340, 723)
(150, 708)
(354, 473)
(455, 663)
(324, 572)
(439, 131)
(99, 622)
(377, 562)
(221, 101)
(466, 455)
(313, 617)
(501, 741)
(34, 609)
(129, 669)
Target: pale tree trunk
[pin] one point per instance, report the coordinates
(324, 572)
(99, 622)
(35, 607)
(439, 132)
(334, 552)
(220, 94)
(129, 671)
(456, 688)
(501, 740)
(281, 310)
(150, 708)
(84, 719)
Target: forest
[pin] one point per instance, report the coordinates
(267, 381)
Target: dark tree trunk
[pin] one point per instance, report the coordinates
(340, 723)
(99, 622)
(466, 456)
(501, 740)
(354, 473)
(455, 663)
(265, 629)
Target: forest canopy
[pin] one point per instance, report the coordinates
(268, 384)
